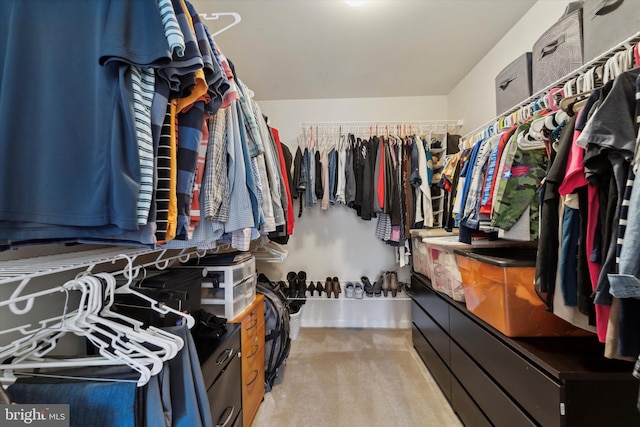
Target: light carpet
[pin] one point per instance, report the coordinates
(354, 378)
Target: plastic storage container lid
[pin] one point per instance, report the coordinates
(222, 260)
(172, 279)
(432, 232)
(454, 242)
(502, 257)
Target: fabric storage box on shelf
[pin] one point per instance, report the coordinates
(498, 288)
(229, 285)
(513, 83)
(559, 50)
(419, 254)
(606, 23)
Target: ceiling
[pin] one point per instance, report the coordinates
(308, 49)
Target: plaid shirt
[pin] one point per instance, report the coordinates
(215, 186)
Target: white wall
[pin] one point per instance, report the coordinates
(336, 242)
(474, 98)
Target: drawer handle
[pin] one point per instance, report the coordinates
(230, 410)
(254, 352)
(253, 324)
(224, 356)
(255, 377)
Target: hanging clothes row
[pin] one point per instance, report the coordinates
(387, 177)
(566, 177)
(590, 187)
(167, 148)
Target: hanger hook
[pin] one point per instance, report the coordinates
(28, 305)
(128, 271)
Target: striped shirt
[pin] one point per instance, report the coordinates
(172, 30)
(163, 170)
(143, 85)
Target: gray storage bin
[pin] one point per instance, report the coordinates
(513, 84)
(606, 23)
(558, 51)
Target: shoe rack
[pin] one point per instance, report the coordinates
(322, 311)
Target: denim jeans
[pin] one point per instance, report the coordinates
(626, 283)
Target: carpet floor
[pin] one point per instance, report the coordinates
(354, 378)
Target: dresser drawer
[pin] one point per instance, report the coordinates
(225, 395)
(251, 322)
(225, 352)
(431, 302)
(253, 353)
(436, 336)
(432, 361)
(252, 341)
(539, 395)
(465, 407)
(500, 409)
(252, 389)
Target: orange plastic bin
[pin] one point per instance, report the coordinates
(498, 288)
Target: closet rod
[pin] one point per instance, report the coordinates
(600, 60)
(448, 123)
(382, 126)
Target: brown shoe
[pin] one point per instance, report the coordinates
(386, 283)
(328, 286)
(393, 283)
(336, 287)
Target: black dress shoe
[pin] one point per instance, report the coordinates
(311, 288)
(292, 278)
(302, 284)
(319, 288)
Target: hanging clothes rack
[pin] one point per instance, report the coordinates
(380, 127)
(214, 16)
(517, 113)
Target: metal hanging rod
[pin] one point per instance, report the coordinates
(419, 124)
(600, 60)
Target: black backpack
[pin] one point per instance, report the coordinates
(276, 325)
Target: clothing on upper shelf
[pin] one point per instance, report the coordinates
(160, 157)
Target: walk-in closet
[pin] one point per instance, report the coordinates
(304, 213)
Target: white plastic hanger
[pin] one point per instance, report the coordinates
(154, 305)
(137, 325)
(109, 351)
(214, 16)
(117, 343)
(135, 337)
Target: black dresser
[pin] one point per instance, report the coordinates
(221, 369)
(490, 379)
